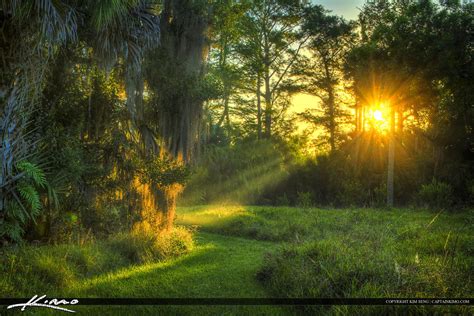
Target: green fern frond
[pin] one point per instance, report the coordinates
(33, 172)
(11, 230)
(31, 196)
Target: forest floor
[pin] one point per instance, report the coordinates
(256, 252)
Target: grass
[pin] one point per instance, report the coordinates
(264, 252)
(219, 266)
(354, 253)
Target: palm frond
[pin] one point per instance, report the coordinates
(125, 28)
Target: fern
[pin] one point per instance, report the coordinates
(33, 172)
(12, 230)
(24, 202)
(31, 196)
(11, 224)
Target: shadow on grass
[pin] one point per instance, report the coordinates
(218, 267)
(221, 267)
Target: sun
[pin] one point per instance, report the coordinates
(378, 116)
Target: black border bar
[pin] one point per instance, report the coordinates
(255, 301)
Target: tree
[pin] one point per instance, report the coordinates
(330, 39)
(33, 32)
(223, 66)
(270, 46)
(170, 121)
(410, 61)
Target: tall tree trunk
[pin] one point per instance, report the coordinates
(184, 49)
(268, 90)
(259, 107)
(176, 69)
(331, 108)
(363, 118)
(391, 160)
(332, 120)
(268, 107)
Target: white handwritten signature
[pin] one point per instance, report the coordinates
(36, 301)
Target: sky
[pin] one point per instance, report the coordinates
(346, 8)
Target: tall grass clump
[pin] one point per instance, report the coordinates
(435, 195)
(53, 269)
(374, 254)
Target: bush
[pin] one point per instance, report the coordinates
(352, 193)
(435, 195)
(175, 243)
(51, 269)
(141, 247)
(304, 200)
(283, 200)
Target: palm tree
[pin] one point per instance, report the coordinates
(32, 33)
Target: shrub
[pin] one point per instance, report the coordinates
(470, 189)
(304, 200)
(379, 196)
(20, 197)
(283, 200)
(435, 195)
(352, 193)
(141, 247)
(175, 243)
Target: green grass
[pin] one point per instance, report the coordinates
(265, 252)
(354, 253)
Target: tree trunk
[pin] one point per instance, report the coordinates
(184, 50)
(167, 202)
(331, 108)
(259, 108)
(268, 107)
(268, 90)
(332, 120)
(391, 161)
(173, 75)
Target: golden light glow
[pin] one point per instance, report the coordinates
(378, 116)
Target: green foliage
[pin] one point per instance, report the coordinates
(31, 197)
(304, 199)
(145, 248)
(25, 203)
(32, 172)
(352, 193)
(435, 195)
(57, 268)
(62, 106)
(283, 200)
(165, 172)
(239, 173)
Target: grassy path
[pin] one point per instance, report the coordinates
(379, 253)
(220, 266)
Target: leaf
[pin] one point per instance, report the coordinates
(33, 172)
(31, 196)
